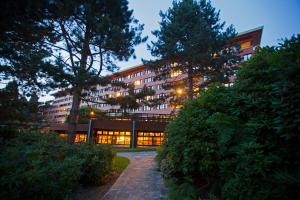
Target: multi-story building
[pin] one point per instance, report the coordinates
(141, 76)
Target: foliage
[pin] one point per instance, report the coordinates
(191, 38)
(42, 166)
(23, 59)
(16, 110)
(97, 162)
(78, 40)
(85, 114)
(242, 142)
(133, 98)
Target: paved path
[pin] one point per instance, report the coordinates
(140, 181)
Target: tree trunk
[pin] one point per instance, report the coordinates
(190, 82)
(73, 117)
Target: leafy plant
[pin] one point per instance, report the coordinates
(242, 142)
(36, 165)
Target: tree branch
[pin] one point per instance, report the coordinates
(68, 45)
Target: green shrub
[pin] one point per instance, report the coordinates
(242, 142)
(34, 165)
(97, 162)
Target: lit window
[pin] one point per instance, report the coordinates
(175, 73)
(245, 45)
(137, 82)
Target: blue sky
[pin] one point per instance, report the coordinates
(280, 18)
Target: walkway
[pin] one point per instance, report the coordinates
(140, 181)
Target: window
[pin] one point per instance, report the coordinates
(161, 95)
(148, 71)
(245, 45)
(137, 74)
(247, 57)
(175, 73)
(137, 82)
(160, 86)
(149, 138)
(146, 108)
(129, 76)
(148, 80)
(137, 90)
(162, 106)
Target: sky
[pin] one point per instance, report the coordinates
(280, 18)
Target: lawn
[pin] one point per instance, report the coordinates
(120, 163)
(140, 149)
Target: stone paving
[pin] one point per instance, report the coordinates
(139, 181)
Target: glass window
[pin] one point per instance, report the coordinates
(127, 133)
(245, 45)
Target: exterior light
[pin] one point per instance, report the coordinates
(118, 94)
(179, 91)
(92, 113)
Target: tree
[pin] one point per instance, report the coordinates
(192, 39)
(15, 109)
(249, 131)
(85, 38)
(133, 99)
(22, 57)
(85, 114)
(95, 34)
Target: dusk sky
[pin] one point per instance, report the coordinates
(280, 18)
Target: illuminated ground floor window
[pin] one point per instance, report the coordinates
(80, 137)
(149, 138)
(113, 137)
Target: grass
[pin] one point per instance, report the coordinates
(120, 163)
(134, 150)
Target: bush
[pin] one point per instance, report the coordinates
(242, 142)
(97, 162)
(34, 165)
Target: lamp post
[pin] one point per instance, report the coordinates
(90, 127)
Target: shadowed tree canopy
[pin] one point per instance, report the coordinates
(192, 39)
(85, 38)
(15, 108)
(22, 56)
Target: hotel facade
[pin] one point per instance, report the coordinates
(120, 133)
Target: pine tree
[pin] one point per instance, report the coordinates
(192, 39)
(82, 39)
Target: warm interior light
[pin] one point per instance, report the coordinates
(92, 113)
(175, 73)
(137, 82)
(121, 138)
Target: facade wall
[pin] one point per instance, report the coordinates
(140, 76)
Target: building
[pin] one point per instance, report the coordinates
(140, 76)
(143, 127)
